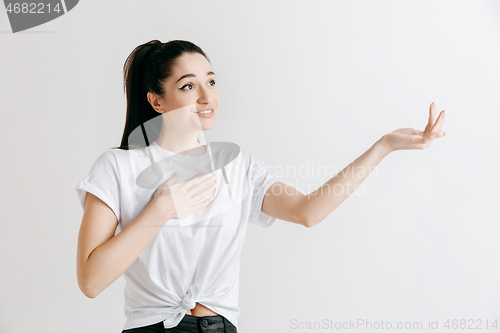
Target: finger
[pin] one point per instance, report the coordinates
(428, 139)
(432, 117)
(201, 185)
(418, 142)
(203, 204)
(437, 134)
(204, 193)
(188, 183)
(438, 125)
(172, 180)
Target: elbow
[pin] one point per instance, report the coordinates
(89, 291)
(87, 282)
(308, 223)
(309, 220)
(90, 295)
(87, 288)
(306, 220)
(304, 215)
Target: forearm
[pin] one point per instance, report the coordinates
(111, 259)
(320, 203)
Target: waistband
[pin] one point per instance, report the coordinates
(201, 324)
(195, 323)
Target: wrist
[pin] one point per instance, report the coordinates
(384, 146)
(161, 209)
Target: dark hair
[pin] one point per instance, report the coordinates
(145, 70)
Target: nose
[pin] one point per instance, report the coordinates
(205, 96)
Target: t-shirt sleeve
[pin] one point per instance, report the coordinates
(260, 179)
(103, 181)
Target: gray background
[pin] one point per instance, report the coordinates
(302, 84)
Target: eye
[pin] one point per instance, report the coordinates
(189, 84)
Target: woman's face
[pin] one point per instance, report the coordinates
(189, 90)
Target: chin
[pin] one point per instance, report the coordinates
(206, 127)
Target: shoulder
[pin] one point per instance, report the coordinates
(114, 155)
(107, 157)
(111, 159)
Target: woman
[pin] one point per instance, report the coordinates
(180, 234)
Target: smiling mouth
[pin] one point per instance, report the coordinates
(205, 112)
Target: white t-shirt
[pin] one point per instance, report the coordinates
(199, 254)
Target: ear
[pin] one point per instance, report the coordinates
(156, 102)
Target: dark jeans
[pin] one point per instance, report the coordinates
(190, 324)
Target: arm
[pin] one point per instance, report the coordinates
(287, 203)
(102, 257)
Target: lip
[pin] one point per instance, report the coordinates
(207, 115)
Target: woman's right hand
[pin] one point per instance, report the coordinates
(411, 138)
(179, 199)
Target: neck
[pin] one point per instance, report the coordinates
(179, 143)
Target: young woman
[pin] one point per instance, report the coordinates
(180, 230)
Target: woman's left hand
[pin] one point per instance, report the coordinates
(410, 138)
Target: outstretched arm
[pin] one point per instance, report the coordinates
(287, 203)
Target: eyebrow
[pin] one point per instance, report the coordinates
(192, 75)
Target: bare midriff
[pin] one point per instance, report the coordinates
(200, 311)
